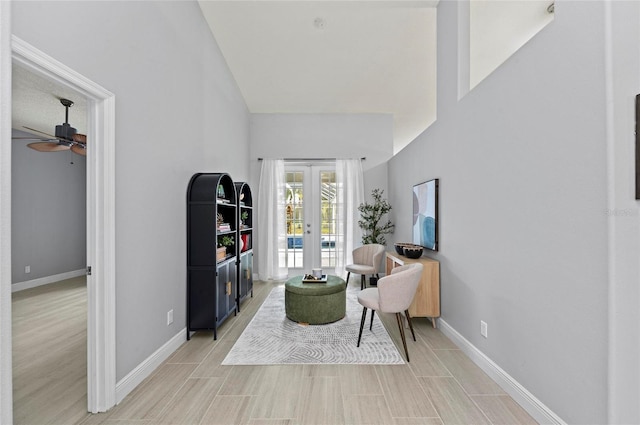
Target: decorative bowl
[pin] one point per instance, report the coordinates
(400, 247)
(413, 251)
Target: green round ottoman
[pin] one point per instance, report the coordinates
(315, 303)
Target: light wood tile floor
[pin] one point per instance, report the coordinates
(49, 341)
(440, 386)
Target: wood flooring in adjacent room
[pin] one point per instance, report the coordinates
(440, 385)
(49, 333)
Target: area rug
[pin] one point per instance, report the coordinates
(271, 338)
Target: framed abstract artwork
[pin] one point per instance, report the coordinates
(425, 214)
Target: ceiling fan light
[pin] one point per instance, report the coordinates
(65, 131)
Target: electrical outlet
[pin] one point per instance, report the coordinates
(483, 328)
(169, 317)
(27, 269)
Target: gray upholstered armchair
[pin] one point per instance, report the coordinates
(366, 260)
(394, 294)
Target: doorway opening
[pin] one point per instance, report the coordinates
(100, 207)
(48, 251)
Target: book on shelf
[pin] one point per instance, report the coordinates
(224, 227)
(222, 201)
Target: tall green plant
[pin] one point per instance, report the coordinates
(372, 224)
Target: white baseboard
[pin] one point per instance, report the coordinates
(146, 368)
(27, 284)
(520, 394)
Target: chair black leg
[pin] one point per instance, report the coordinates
(348, 274)
(363, 278)
(364, 316)
(406, 313)
(404, 341)
(371, 324)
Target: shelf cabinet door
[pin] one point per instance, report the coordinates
(245, 275)
(226, 289)
(201, 299)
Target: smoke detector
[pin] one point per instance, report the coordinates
(319, 23)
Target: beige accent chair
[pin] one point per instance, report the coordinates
(394, 294)
(366, 260)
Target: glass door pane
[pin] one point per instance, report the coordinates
(328, 218)
(310, 217)
(294, 210)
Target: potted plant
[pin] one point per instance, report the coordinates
(372, 223)
(224, 243)
(243, 217)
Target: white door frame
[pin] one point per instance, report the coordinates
(101, 371)
(6, 376)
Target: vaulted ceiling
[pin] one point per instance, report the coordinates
(332, 57)
(327, 56)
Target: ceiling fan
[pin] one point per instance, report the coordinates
(66, 138)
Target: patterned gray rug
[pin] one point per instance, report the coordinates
(271, 338)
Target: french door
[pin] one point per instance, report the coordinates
(310, 217)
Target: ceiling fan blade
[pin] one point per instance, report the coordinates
(80, 149)
(38, 131)
(80, 138)
(40, 139)
(48, 147)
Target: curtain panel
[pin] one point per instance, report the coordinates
(271, 220)
(350, 194)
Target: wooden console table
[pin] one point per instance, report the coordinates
(426, 302)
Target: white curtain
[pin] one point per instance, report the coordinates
(271, 220)
(349, 194)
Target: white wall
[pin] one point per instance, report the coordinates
(48, 203)
(376, 178)
(323, 136)
(522, 163)
(178, 111)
